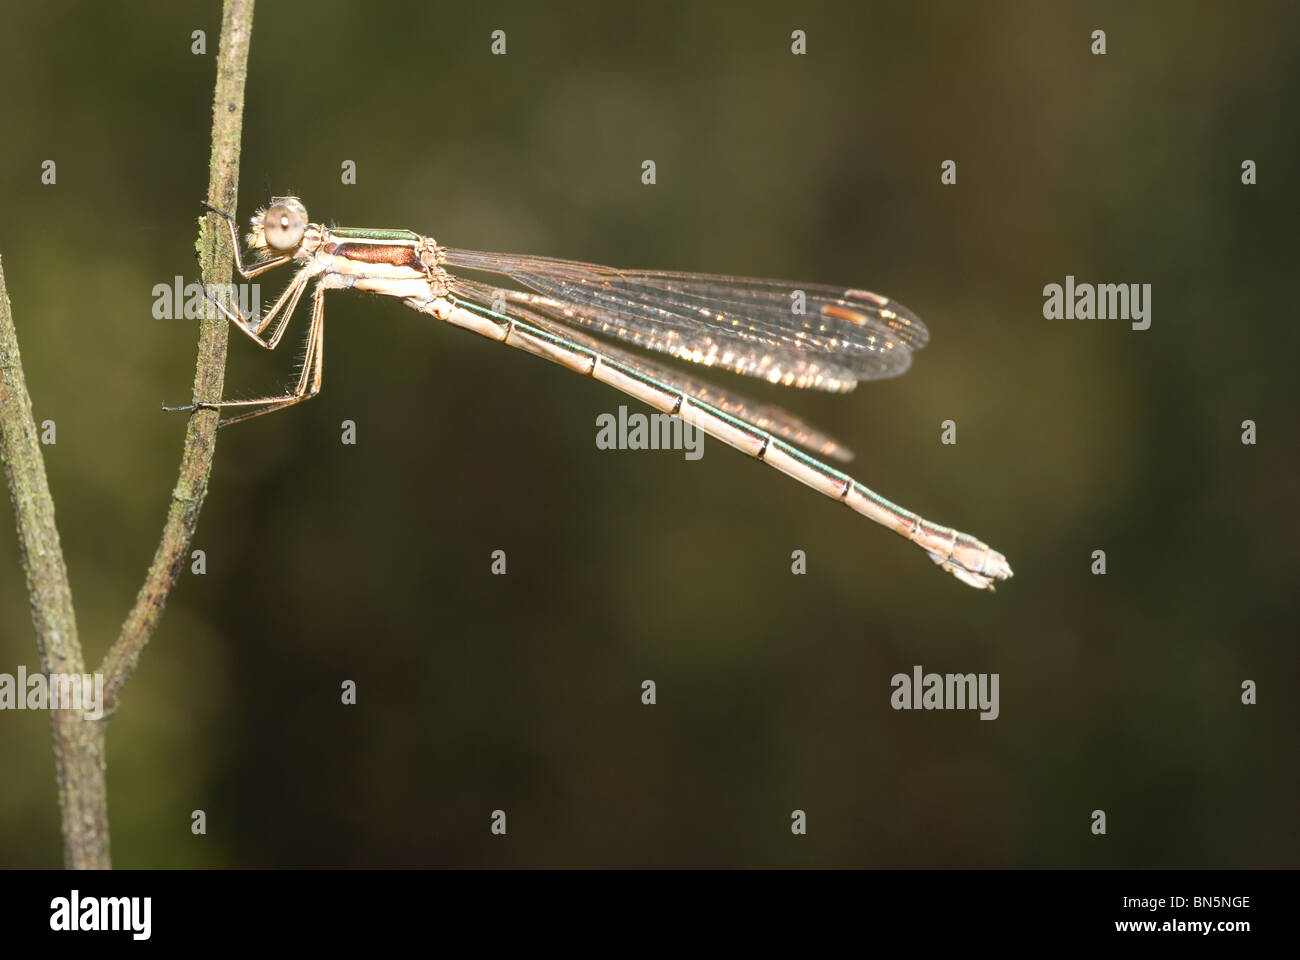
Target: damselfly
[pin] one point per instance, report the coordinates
(798, 335)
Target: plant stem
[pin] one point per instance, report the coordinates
(209, 374)
(78, 741)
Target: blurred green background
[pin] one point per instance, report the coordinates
(371, 562)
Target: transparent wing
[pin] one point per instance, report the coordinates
(540, 311)
(748, 326)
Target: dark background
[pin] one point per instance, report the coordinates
(371, 562)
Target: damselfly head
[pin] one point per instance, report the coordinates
(280, 226)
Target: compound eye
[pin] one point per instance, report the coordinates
(285, 222)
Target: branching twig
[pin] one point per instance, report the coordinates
(79, 740)
(201, 435)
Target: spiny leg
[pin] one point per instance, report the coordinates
(292, 294)
(309, 379)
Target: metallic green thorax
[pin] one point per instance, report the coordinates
(369, 233)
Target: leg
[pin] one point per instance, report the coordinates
(309, 378)
(292, 294)
(314, 362)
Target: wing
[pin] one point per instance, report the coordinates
(550, 317)
(748, 326)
